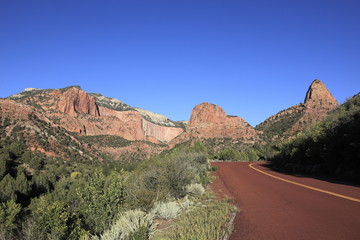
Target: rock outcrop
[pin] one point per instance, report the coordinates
(210, 121)
(318, 94)
(74, 101)
(206, 113)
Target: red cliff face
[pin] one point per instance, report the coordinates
(210, 121)
(319, 95)
(75, 101)
(206, 113)
(160, 133)
(77, 111)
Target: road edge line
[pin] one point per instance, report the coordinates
(305, 186)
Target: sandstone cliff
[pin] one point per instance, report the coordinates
(210, 121)
(94, 114)
(74, 101)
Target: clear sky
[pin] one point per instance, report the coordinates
(252, 58)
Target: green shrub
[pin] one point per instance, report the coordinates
(101, 200)
(161, 178)
(8, 215)
(214, 168)
(4, 164)
(231, 155)
(54, 221)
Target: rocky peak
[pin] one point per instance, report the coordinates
(74, 100)
(318, 102)
(210, 121)
(205, 113)
(319, 94)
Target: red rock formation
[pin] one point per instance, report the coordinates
(205, 113)
(77, 111)
(14, 110)
(318, 94)
(210, 121)
(75, 101)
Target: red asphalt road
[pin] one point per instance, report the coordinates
(274, 209)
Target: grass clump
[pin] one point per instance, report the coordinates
(208, 221)
(195, 189)
(166, 210)
(132, 225)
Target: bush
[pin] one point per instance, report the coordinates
(101, 200)
(185, 203)
(54, 221)
(165, 177)
(166, 210)
(231, 155)
(214, 168)
(207, 222)
(132, 225)
(195, 189)
(8, 213)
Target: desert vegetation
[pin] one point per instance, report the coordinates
(54, 198)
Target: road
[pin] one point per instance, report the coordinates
(280, 206)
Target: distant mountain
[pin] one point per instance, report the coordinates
(101, 124)
(95, 125)
(209, 121)
(318, 102)
(94, 114)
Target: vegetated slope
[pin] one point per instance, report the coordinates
(331, 147)
(26, 124)
(318, 102)
(44, 197)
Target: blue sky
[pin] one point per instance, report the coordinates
(252, 58)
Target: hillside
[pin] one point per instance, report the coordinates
(330, 148)
(318, 102)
